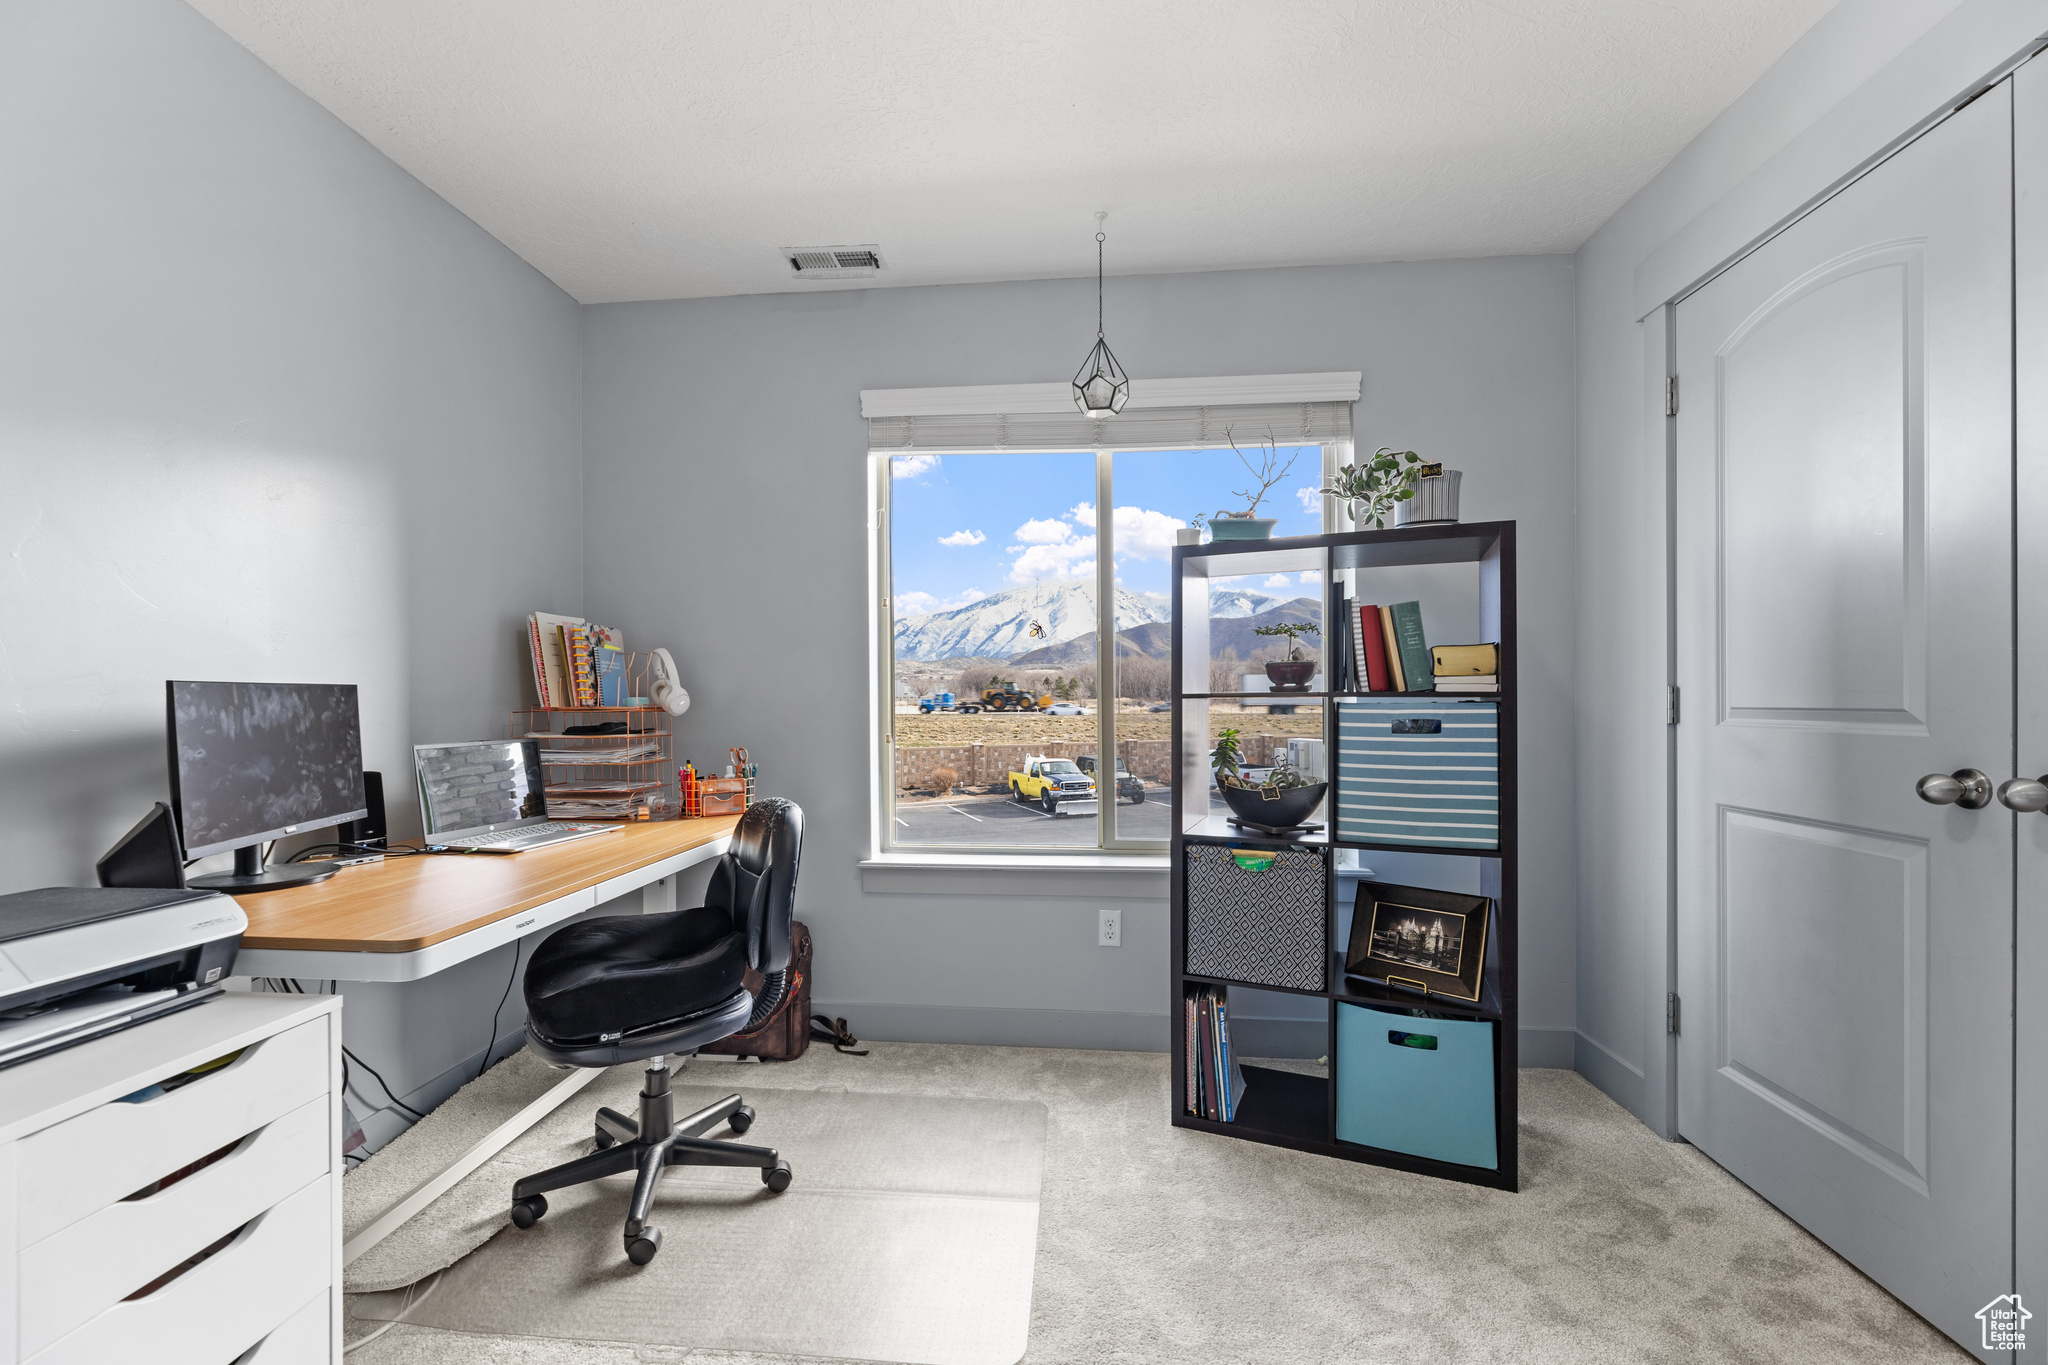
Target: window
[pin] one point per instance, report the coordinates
(997, 577)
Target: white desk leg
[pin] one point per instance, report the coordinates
(495, 1142)
(657, 898)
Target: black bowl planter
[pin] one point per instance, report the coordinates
(1276, 811)
(1291, 675)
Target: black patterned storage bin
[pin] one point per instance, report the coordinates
(1419, 771)
(1262, 927)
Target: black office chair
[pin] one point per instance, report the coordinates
(640, 987)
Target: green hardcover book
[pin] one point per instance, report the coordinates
(1415, 660)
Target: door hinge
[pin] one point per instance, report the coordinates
(1671, 704)
(1671, 1012)
(1671, 395)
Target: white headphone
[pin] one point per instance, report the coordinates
(667, 691)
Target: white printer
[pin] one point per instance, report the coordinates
(77, 962)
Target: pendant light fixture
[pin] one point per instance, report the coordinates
(1101, 388)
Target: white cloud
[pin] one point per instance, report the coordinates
(1043, 532)
(1068, 559)
(1278, 580)
(1311, 500)
(963, 538)
(1084, 514)
(1143, 534)
(913, 466)
(908, 604)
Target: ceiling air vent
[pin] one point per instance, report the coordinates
(833, 262)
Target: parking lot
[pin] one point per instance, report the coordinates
(999, 820)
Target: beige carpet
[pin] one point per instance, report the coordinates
(908, 1235)
(1161, 1245)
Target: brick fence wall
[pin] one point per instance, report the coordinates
(989, 765)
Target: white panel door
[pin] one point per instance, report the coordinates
(2030, 353)
(1844, 505)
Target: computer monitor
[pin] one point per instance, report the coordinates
(484, 784)
(251, 762)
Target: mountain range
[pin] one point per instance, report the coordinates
(1227, 635)
(1000, 626)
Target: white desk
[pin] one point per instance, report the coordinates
(406, 918)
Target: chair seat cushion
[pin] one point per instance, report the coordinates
(629, 972)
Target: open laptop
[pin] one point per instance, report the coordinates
(487, 797)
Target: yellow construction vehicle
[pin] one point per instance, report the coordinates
(1007, 696)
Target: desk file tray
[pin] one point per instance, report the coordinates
(1419, 771)
(1263, 927)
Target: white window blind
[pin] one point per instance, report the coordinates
(1293, 409)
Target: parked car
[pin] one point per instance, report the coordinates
(1052, 783)
(1064, 708)
(1128, 787)
(1160, 706)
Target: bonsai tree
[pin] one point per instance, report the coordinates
(1267, 472)
(1293, 631)
(1373, 489)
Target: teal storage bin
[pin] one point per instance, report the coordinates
(1420, 1086)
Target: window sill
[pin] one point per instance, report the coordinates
(1087, 876)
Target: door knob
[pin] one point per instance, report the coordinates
(1965, 787)
(2023, 795)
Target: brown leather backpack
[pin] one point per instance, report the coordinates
(788, 1031)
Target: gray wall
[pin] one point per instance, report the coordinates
(1863, 76)
(269, 409)
(724, 493)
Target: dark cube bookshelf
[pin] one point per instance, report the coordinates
(1291, 1109)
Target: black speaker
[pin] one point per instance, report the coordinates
(371, 829)
(148, 855)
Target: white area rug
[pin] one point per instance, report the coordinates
(908, 1235)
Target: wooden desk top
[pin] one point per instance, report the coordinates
(404, 904)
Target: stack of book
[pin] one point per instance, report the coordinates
(1388, 650)
(1213, 1081)
(1466, 668)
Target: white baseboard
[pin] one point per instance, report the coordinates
(1119, 1032)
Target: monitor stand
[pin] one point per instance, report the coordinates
(251, 875)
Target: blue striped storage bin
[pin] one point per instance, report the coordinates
(1418, 788)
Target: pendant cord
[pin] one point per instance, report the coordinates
(1098, 286)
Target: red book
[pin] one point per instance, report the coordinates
(1378, 677)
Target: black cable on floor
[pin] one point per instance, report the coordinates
(518, 946)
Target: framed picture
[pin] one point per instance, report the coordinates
(1416, 937)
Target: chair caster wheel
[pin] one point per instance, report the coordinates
(604, 1139)
(528, 1211)
(777, 1178)
(640, 1250)
(742, 1118)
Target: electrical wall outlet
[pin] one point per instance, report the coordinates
(1109, 929)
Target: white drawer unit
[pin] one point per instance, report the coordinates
(151, 1213)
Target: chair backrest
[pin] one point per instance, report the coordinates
(755, 883)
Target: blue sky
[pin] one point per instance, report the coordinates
(968, 526)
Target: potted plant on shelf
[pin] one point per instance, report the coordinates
(1293, 673)
(1248, 524)
(1278, 804)
(1378, 486)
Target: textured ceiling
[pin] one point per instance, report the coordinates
(670, 148)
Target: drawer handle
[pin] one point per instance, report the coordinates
(158, 1089)
(193, 1261)
(1425, 1041)
(190, 1169)
(1422, 986)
